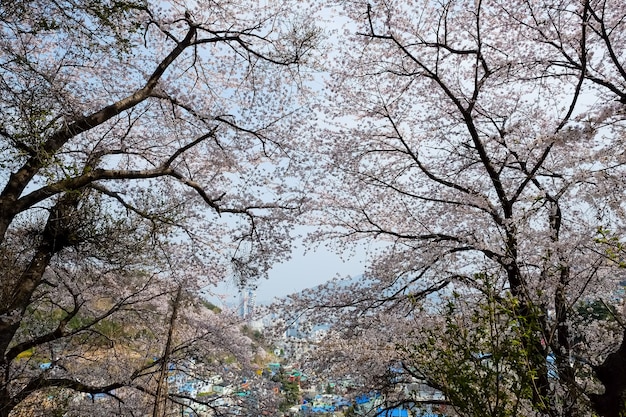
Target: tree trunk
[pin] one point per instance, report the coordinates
(55, 236)
(6, 403)
(160, 396)
(612, 374)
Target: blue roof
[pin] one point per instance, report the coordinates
(394, 412)
(364, 398)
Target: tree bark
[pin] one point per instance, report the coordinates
(612, 374)
(57, 234)
(160, 395)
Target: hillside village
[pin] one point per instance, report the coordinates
(303, 393)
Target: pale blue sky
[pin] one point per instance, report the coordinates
(305, 271)
(301, 272)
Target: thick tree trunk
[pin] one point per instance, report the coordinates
(21, 295)
(612, 374)
(6, 403)
(531, 322)
(56, 235)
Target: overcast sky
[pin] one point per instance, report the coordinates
(302, 271)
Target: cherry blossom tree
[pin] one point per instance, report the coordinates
(483, 142)
(145, 146)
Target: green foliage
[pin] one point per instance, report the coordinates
(596, 310)
(291, 394)
(350, 412)
(329, 389)
(290, 390)
(614, 247)
(102, 332)
(211, 306)
(484, 356)
(104, 13)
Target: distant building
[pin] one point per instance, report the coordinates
(246, 304)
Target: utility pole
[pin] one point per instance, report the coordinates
(160, 397)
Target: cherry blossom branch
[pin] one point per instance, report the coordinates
(466, 113)
(20, 179)
(61, 332)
